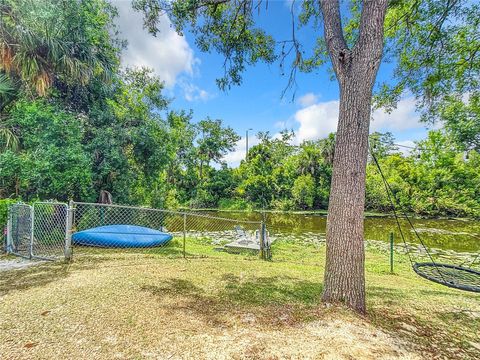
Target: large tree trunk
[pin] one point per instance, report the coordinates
(356, 71)
(344, 272)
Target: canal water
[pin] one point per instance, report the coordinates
(451, 235)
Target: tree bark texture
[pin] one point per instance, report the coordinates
(356, 69)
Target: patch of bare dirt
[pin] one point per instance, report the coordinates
(18, 263)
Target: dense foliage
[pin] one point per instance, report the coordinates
(73, 123)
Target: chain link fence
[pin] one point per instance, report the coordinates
(37, 231)
(20, 230)
(3, 235)
(96, 225)
(50, 230)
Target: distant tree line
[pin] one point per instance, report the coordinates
(437, 177)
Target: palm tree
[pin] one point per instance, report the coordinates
(40, 44)
(8, 139)
(310, 158)
(6, 88)
(328, 148)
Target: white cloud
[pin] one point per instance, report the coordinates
(168, 54)
(193, 92)
(317, 121)
(308, 99)
(403, 117)
(285, 124)
(233, 158)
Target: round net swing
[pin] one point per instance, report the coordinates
(454, 276)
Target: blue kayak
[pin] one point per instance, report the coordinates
(121, 236)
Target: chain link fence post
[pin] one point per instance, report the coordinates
(262, 241)
(68, 232)
(268, 243)
(138, 223)
(391, 253)
(184, 234)
(9, 248)
(32, 218)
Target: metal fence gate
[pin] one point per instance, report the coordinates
(37, 231)
(19, 230)
(49, 230)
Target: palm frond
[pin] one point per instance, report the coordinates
(6, 86)
(8, 139)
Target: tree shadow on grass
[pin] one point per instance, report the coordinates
(34, 276)
(43, 274)
(276, 300)
(269, 290)
(392, 293)
(84, 258)
(436, 332)
(171, 250)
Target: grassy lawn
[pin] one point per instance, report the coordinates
(216, 305)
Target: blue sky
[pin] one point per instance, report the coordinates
(190, 75)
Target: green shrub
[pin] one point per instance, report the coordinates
(52, 163)
(4, 204)
(303, 191)
(286, 204)
(233, 204)
(171, 200)
(203, 199)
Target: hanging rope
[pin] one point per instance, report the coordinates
(454, 276)
(393, 199)
(387, 187)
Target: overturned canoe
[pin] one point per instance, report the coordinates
(121, 236)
